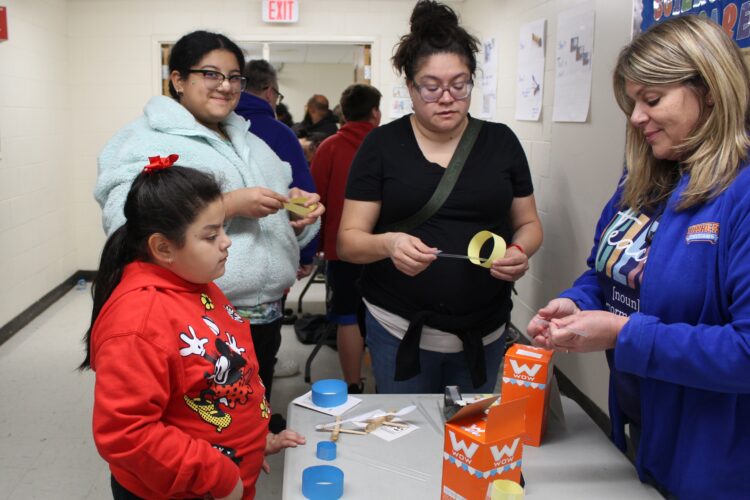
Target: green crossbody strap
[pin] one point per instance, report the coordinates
(447, 181)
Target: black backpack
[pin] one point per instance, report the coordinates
(310, 327)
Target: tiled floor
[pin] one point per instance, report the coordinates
(45, 422)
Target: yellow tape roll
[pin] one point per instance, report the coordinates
(476, 243)
(296, 205)
(505, 489)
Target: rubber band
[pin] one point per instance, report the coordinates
(519, 247)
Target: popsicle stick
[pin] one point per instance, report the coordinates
(336, 429)
(344, 431)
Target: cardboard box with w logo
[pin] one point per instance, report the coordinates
(481, 446)
(527, 374)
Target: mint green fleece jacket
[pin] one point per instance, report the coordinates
(264, 256)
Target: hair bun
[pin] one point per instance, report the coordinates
(431, 18)
(434, 29)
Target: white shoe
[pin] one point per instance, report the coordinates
(285, 368)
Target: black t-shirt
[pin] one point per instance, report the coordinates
(389, 167)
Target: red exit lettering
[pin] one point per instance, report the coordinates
(281, 10)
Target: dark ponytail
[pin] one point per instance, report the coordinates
(434, 30)
(163, 201)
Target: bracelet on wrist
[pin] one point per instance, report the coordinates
(519, 247)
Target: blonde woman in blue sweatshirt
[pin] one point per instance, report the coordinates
(199, 124)
(667, 292)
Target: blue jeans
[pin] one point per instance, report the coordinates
(438, 369)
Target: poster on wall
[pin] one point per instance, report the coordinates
(530, 77)
(489, 79)
(400, 101)
(732, 15)
(574, 55)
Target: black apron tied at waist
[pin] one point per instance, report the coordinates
(407, 356)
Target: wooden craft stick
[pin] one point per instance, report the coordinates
(336, 429)
(374, 424)
(345, 431)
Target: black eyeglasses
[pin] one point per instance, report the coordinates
(279, 95)
(432, 92)
(213, 79)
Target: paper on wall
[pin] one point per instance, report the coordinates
(574, 55)
(400, 101)
(488, 78)
(530, 78)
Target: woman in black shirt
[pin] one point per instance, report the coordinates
(432, 323)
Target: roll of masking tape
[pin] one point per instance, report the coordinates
(297, 205)
(329, 393)
(476, 244)
(505, 489)
(326, 450)
(322, 482)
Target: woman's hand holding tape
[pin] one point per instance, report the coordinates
(512, 266)
(312, 202)
(538, 328)
(409, 254)
(254, 202)
(586, 331)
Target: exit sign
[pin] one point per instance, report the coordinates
(280, 11)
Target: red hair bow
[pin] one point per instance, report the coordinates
(160, 163)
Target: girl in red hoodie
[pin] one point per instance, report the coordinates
(179, 409)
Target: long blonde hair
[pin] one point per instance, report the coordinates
(695, 52)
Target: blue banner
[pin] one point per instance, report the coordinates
(732, 15)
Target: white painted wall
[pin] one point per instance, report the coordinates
(37, 191)
(575, 166)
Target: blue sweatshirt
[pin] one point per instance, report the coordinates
(689, 344)
(285, 144)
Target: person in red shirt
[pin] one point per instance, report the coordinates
(360, 105)
(179, 408)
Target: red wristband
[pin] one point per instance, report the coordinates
(517, 246)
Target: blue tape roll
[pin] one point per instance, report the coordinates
(329, 393)
(326, 450)
(322, 482)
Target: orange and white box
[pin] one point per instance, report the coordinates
(481, 446)
(527, 374)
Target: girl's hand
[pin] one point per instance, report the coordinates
(409, 254)
(258, 202)
(511, 267)
(586, 331)
(539, 326)
(236, 493)
(277, 442)
(284, 439)
(300, 221)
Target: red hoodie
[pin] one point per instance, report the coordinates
(179, 408)
(330, 169)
